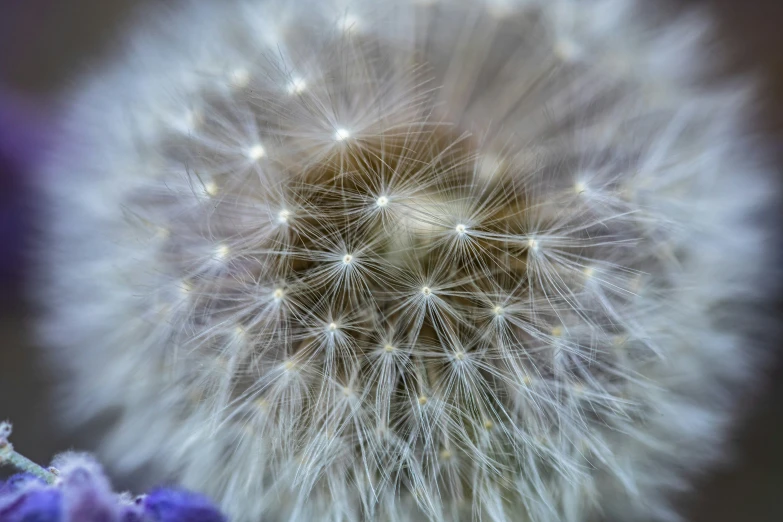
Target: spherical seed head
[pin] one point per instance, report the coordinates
(412, 325)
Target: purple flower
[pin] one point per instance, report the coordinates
(87, 494)
(173, 505)
(24, 498)
(83, 494)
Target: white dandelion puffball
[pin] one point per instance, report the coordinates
(408, 260)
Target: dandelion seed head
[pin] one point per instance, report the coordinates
(404, 262)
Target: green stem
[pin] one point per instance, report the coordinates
(20, 462)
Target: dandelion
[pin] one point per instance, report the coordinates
(400, 250)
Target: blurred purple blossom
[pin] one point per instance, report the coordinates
(83, 494)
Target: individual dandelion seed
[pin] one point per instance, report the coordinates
(422, 260)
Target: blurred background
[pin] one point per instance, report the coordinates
(45, 44)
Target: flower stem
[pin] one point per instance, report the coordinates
(20, 462)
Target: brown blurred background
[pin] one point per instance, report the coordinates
(46, 43)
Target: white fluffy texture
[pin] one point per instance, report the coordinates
(407, 260)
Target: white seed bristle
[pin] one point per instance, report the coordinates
(342, 134)
(297, 86)
(211, 189)
(283, 216)
(240, 78)
(221, 252)
(349, 23)
(256, 152)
